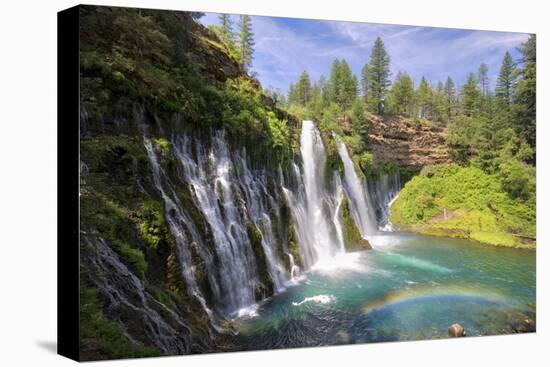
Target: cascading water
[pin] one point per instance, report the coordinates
(181, 226)
(259, 201)
(382, 193)
(232, 198)
(359, 205)
(312, 206)
(127, 295)
(211, 176)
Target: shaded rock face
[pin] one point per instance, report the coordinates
(406, 144)
(143, 318)
(212, 55)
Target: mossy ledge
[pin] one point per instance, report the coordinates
(352, 237)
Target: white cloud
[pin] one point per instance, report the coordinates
(283, 51)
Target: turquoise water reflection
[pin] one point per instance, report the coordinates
(409, 287)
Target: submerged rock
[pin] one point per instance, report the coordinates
(524, 326)
(456, 330)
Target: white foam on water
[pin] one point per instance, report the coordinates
(342, 262)
(322, 298)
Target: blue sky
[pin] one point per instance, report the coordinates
(286, 46)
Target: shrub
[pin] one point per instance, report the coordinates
(152, 227)
(366, 162)
(478, 199)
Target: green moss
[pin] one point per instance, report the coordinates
(114, 224)
(184, 195)
(276, 230)
(352, 237)
(132, 256)
(255, 237)
(293, 246)
(163, 145)
(115, 163)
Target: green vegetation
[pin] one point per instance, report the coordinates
(163, 145)
(246, 41)
(114, 223)
(293, 245)
(377, 75)
(162, 73)
(249, 122)
(168, 70)
(104, 338)
(255, 236)
(352, 237)
(153, 228)
(240, 44)
(465, 202)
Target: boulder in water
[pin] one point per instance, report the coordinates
(456, 330)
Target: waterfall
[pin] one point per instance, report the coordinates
(234, 198)
(126, 296)
(358, 198)
(382, 193)
(182, 227)
(313, 207)
(211, 177)
(260, 202)
(294, 269)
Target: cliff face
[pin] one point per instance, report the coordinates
(144, 72)
(401, 142)
(166, 111)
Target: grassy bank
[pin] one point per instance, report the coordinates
(465, 202)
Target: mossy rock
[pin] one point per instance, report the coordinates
(293, 246)
(99, 214)
(102, 338)
(353, 241)
(255, 237)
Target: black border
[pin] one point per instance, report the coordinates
(68, 183)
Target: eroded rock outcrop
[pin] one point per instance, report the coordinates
(405, 143)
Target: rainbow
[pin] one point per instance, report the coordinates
(423, 292)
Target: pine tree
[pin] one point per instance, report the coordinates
(348, 85)
(379, 74)
(359, 118)
(471, 96)
(449, 98)
(226, 30)
(303, 89)
(506, 79)
(365, 81)
(334, 86)
(524, 98)
(325, 88)
(246, 41)
(402, 95)
(424, 98)
(439, 102)
(483, 79)
(316, 104)
(292, 95)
